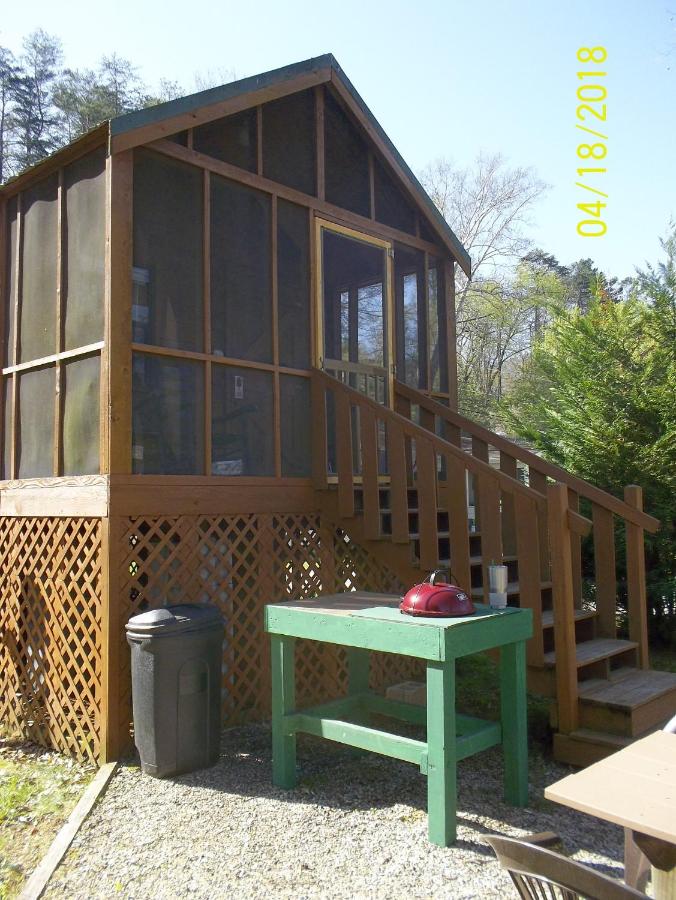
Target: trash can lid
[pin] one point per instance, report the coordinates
(175, 619)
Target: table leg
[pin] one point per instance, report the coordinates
(664, 884)
(514, 722)
(282, 666)
(441, 753)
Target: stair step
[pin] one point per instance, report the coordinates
(628, 689)
(588, 652)
(585, 746)
(579, 615)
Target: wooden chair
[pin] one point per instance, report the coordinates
(540, 874)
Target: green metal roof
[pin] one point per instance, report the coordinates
(155, 114)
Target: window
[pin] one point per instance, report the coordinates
(347, 164)
(410, 316)
(242, 431)
(232, 139)
(81, 379)
(38, 283)
(293, 285)
(296, 426)
(392, 207)
(289, 154)
(37, 391)
(10, 281)
(437, 327)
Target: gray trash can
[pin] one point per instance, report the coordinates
(176, 654)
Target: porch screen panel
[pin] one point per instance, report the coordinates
(410, 316)
(296, 422)
(85, 248)
(10, 282)
(242, 431)
(81, 416)
(168, 203)
(293, 285)
(232, 139)
(347, 162)
(289, 151)
(392, 207)
(167, 416)
(7, 428)
(241, 295)
(437, 327)
(36, 422)
(38, 287)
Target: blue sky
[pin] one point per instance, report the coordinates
(445, 79)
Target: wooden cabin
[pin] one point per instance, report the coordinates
(229, 374)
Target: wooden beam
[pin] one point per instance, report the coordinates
(451, 334)
(116, 361)
(163, 129)
(57, 461)
(276, 404)
(16, 312)
(206, 315)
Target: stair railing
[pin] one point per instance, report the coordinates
(401, 435)
(605, 508)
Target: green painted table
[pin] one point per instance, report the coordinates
(362, 622)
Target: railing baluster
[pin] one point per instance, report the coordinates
(576, 551)
(426, 483)
(396, 449)
(564, 619)
(369, 471)
(491, 529)
(636, 588)
(538, 481)
(480, 450)
(508, 466)
(456, 494)
(344, 455)
(528, 552)
(604, 566)
(319, 434)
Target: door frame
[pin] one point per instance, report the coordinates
(388, 304)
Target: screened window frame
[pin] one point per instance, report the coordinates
(60, 356)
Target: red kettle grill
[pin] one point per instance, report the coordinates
(432, 598)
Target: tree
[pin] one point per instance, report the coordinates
(34, 118)
(10, 74)
(597, 397)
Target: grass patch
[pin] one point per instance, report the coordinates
(38, 790)
(663, 659)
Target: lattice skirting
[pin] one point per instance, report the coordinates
(240, 563)
(50, 631)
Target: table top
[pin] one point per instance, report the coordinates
(373, 621)
(635, 787)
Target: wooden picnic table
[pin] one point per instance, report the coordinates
(362, 622)
(636, 788)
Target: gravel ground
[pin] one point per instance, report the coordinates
(356, 826)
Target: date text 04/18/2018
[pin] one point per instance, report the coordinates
(592, 110)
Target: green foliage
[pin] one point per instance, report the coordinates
(597, 396)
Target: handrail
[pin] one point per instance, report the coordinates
(508, 484)
(583, 488)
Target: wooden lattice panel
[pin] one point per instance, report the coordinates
(240, 563)
(51, 631)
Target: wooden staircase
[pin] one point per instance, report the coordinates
(405, 490)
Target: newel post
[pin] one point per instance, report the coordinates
(637, 606)
(563, 598)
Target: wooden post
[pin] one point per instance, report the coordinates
(508, 466)
(369, 458)
(604, 565)
(344, 462)
(458, 531)
(426, 483)
(564, 619)
(319, 436)
(636, 592)
(576, 551)
(396, 454)
(491, 529)
(113, 739)
(538, 481)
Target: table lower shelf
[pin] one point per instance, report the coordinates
(327, 721)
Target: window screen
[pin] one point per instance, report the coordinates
(242, 433)
(296, 422)
(293, 285)
(392, 207)
(347, 163)
(85, 246)
(232, 139)
(410, 316)
(437, 327)
(168, 251)
(289, 154)
(427, 233)
(81, 416)
(7, 429)
(36, 422)
(168, 416)
(10, 282)
(38, 286)
(241, 302)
